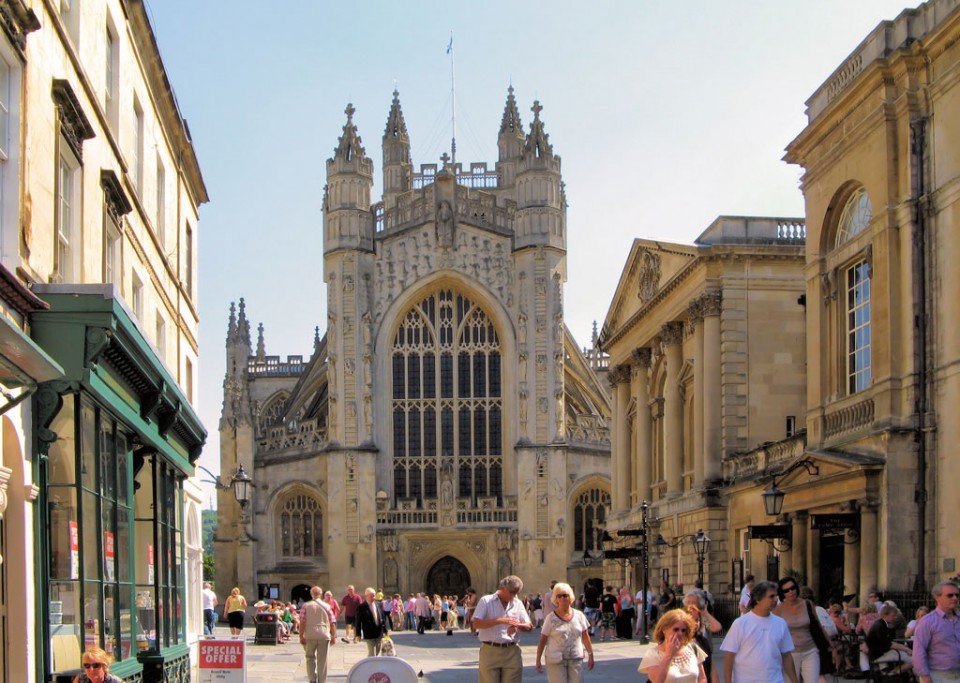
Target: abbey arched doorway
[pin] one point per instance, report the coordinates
(448, 576)
(300, 592)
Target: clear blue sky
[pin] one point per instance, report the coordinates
(666, 114)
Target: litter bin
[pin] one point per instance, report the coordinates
(266, 624)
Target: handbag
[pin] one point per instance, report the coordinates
(820, 639)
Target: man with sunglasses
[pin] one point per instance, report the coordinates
(499, 618)
(936, 640)
(758, 646)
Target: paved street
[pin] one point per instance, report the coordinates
(442, 659)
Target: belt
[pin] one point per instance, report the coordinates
(498, 644)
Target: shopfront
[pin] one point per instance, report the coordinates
(116, 439)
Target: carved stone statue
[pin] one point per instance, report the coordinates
(445, 224)
(649, 276)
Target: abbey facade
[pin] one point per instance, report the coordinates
(446, 430)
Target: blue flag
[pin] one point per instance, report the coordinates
(450, 46)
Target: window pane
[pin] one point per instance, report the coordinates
(61, 464)
(64, 533)
(88, 537)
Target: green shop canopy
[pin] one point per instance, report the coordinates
(92, 335)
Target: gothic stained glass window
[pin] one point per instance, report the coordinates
(301, 527)
(447, 399)
(589, 516)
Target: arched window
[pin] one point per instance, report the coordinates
(589, 516)
(447, 402)
(855, 218)
(272, 411)
(301, 527)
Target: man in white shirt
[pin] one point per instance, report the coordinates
(758, 646)
(210, 603)
(745, 594)
(499, 618)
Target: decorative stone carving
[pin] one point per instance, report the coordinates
(828, 285)
(671, 333)
(389, 542)
(505, 539)
(445, 224)
(642, 357)
(649, 280)
(710, 303)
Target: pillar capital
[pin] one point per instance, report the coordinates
(710, 303)
(695, 311)
(619, 374)
(671, 333)
(642, 357)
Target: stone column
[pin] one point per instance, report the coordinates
(813, 559)
(869, 560)
(642, 434)
(695, 312)
(798, 553)
(710, 308)
(672, 336)
(620, 447)
(851, 565)
(621, 475)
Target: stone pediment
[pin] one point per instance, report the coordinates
(650, 267)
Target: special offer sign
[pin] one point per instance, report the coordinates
(222, 661)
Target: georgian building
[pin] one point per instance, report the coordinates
(446, 430)
(830, 378)
(706, 352)
(99, 197)
(881, 184)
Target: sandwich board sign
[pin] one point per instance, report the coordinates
(222, 661)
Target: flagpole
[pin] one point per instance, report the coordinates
(453, 106)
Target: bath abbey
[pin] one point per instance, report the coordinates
(447, 430)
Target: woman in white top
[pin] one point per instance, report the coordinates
(676, 658)
(565, 636)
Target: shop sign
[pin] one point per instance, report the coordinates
(771, 532)
(74, 550)
(835, 523)
(109, 556)
(222, 661)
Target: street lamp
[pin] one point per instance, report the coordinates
(241, 483)
(773, 497)
(701, 544)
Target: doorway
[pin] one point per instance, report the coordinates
(448, 576)
(300, 592)
(831, 568)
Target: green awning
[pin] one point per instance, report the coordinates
(89, 331)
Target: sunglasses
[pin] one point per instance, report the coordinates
(92, 665)
(679, 629)
(564, 595)
(788, 589)
(951, 595)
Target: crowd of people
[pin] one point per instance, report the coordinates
(781, 633)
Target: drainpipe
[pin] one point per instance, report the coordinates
(920, 208)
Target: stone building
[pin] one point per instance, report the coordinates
(707, 352)
(881, 184)
(99, 197)
(446, 430)
(840, 400)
